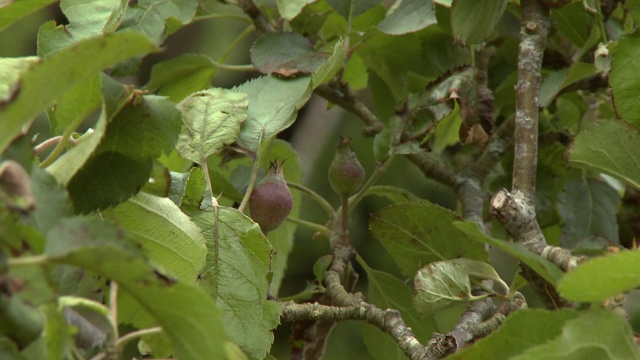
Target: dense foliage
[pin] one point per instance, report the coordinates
(500, 141)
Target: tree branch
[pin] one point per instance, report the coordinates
(343, 96)
(535, 27)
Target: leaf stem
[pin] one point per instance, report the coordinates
(135, 335)
(29, 260)
(311, 225)
(315, 196)
(379, 170)
(238, 68)
(252, 180)
(61, 143)
(113, 306)
(205, 169)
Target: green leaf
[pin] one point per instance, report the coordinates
(47, 81)
(393, 193)
(195, 330)
(20, 321)
(389, 292)
(211, 120)
(10, 71)
(609, 147)
(289, 9)
(154, 18)
(595, 334)
(560, 79)
(107, 179)
(520, 331)
(273, 106)
(286, 55)
(283, 237)
(443, 284)
(331, 66)
(235, 275)
(408, 16)
(573, 22)
(53, 200)
(57, 332)
(122, 162)
(588, 208)
(541, 266)
(94, 18)
(75, 106)
(168, 236)
(17, 10)
(181, 76)
(623, 79)
(473, 21)
(447, 131)
(601, 278)
(415, 234)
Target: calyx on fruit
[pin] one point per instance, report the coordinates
(346, 174)
(271, 201)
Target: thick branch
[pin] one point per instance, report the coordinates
(389, 321)
(535, 27)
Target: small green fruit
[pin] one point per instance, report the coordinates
(346, 174)
(271, 201)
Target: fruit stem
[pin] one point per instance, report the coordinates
(311, 225)
(315, 196)
(345, 219)
(379, 170)
(252, 180)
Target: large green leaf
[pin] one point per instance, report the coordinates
(181, 76)
(170, 238)
(122, 162)
(408, 16)
(520, 331)
(187, 315)
(560, 79)
(443, 284)
(331, 66)
(92, 18)
(610, 147)
(10, 71)
(236, 276)
(541, 266)
(41, 85)
(602, 278)
(624, 81)
(273, 106)
(588, 208)
(595, 334)
(53, 200)
(211, 120)
(285, 54)
(114, 97)
(388, 292)
(16, 10)
(473, 21)
(416, 234)
(75, 105)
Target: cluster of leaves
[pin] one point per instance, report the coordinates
(131, 200)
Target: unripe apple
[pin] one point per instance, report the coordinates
(346, 174)
(271, 201)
